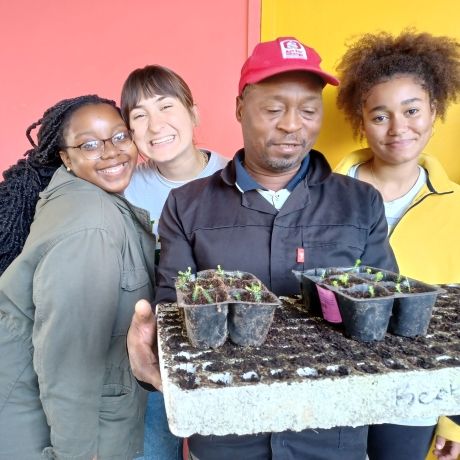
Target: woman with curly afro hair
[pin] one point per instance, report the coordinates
(392, 90)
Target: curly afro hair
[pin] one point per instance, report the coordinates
(374, 58)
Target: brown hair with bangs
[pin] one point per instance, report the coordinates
(150, 81)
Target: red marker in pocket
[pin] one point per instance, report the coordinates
(300, 255)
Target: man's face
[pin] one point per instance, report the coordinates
(280, 118)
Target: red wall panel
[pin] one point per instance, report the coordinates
(62, 48)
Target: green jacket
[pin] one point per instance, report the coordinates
(425, 240)
(66, 302)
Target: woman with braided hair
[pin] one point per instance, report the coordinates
(392, 90)
(68, 292)
(23, 182)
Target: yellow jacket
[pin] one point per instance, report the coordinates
(424, 241)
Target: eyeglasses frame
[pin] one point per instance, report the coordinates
(128, 131)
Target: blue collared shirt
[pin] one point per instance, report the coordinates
(245, 182)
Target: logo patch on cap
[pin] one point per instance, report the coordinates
(292, 49)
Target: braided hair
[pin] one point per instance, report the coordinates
(373, 58)
(28, 177)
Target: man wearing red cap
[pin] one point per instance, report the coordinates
(276, 207)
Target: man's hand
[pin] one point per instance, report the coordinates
(445, 449)
(142, 345)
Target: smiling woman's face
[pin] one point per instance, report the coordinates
(398, 119)
(113, 170)
(162, 128)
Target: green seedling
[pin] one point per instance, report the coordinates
(256, 290)
(371, 291)
(200, 289)
(406, 283)
(357, 263)
(368, 270)
(335, 283)
(220, 272)
(344, 279)
(402, 283)
(378, 277)
(184, 278)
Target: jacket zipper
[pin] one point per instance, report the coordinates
(432, 192)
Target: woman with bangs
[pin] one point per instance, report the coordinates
(158, 107)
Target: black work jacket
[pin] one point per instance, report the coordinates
(208, 222)
(335, 219)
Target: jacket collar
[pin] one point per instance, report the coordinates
(437, 179)
(318, 169)
(64, 182)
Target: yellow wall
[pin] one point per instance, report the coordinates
(327, 25)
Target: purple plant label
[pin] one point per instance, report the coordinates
(329, 305)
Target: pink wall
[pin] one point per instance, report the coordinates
(62, 48)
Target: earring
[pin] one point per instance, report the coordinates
(68, 169)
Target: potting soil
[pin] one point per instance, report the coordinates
(300, 346)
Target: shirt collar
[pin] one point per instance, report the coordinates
(300, 174)
(245, 182)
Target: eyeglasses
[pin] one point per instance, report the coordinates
(93, 150)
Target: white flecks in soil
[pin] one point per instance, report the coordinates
(251, 375)
(443, 357)
(307, 371)
(224, 378)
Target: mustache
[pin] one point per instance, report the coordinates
(288, 140)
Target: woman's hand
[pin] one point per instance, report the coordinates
(445, 449)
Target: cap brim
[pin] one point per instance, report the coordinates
(259, 75)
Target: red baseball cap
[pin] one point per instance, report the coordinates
(284, 54)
